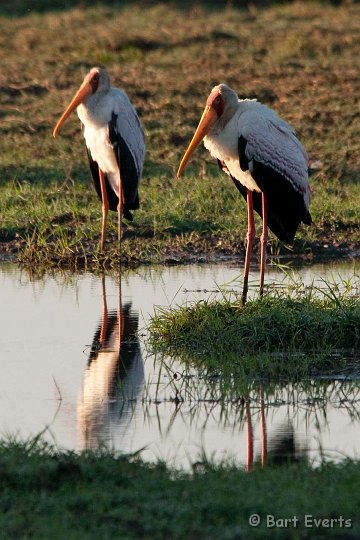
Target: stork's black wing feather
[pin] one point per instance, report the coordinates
(285, 205)
(244, 162)
(129, 175)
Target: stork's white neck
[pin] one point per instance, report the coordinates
(95, 110)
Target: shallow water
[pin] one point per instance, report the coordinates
(67, 371)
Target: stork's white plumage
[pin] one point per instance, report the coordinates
(264, 158)
(114, 140)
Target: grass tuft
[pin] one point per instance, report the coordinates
(279, 335)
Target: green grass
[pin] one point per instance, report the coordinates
(299, 58)
(264, 325)
(46, 494)
(285, 334)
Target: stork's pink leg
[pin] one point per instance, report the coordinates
(249, 437)
(105, 206)
(120, 321)
(104, 318)
(263, 241)
(119, 210)
(249, 242)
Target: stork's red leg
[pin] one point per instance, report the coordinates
(105, 206)
(263, 241)
(120, 209)
(120, 321)
(249, 437)
(104, 318)
(249, 242)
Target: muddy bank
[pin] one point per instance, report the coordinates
(172, 250)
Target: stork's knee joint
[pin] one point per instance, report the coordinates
(263, 238)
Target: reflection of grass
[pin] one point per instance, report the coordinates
(228, 384)
(280, 335)
(51, 494)
(297, 58)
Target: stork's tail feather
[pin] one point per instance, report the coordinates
(307, 219)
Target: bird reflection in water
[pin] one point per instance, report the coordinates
(282, 448)
(250, 434)
(114, 376)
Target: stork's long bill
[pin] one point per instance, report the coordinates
(208, 118)
(85, 90)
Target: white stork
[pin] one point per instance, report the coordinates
(266, 161)
(115, 143)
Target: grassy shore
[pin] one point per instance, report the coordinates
(300, 59)
(51, 494)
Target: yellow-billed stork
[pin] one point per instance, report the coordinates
(115, 143)
(264, 158)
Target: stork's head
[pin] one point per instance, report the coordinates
(96, 82)
(220, 107)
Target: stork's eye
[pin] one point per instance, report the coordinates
(94, 82)
(218, 104)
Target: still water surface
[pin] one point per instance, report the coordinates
(67, 370)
